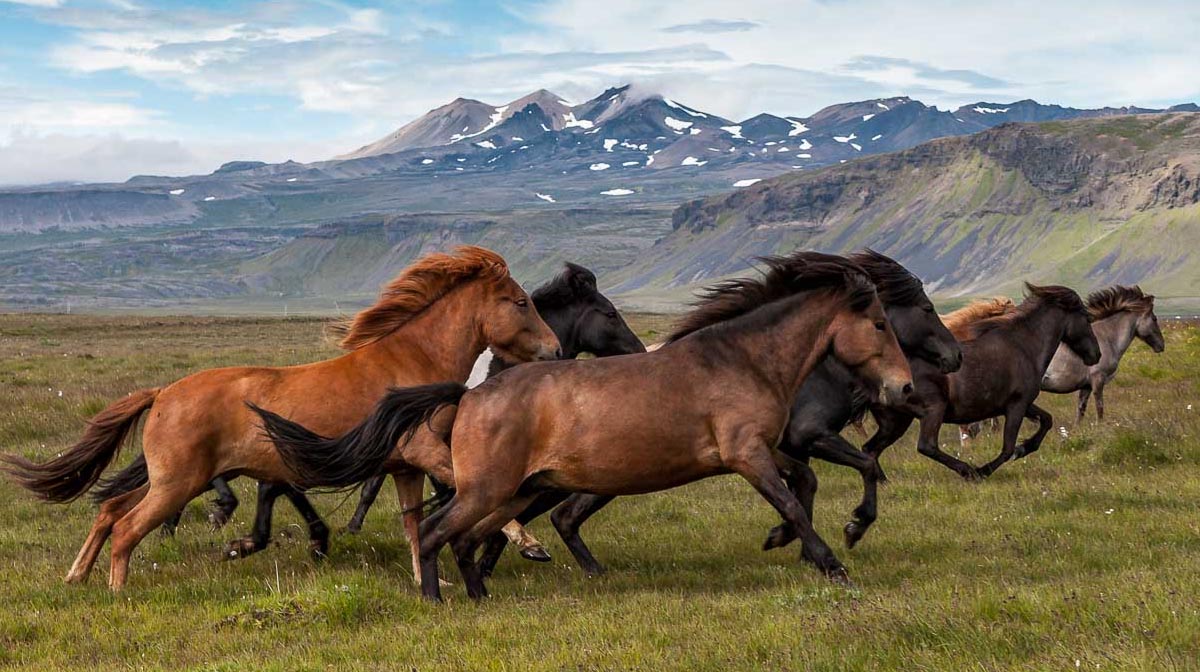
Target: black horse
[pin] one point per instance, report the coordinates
(584, 321)
(1004, 361)
(827, 401)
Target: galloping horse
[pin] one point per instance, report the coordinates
(959, 321)
(828, 400)
(1004, 359)
(714, 400)
(1119, 315)
(429, 324)
(584, 321)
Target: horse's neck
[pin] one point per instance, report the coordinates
(792, 343)
(1115, 334)
(562, 323)
(1038, 335)
(443, 341)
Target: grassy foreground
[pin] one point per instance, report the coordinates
(1085, 555)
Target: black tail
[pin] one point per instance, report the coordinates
(360, 453)
(69, 475)
(127, 480)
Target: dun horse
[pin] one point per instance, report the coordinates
(1004, 359)
(429, 324)
(714, 400)
(584, 321)
(828, 400)
(1119, 315)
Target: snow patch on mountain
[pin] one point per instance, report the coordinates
(545, 197)
(598, 166)
(735, 131)
(617, 192)
(747, 182)
(676, 124)
(990, 110)
(692, 161)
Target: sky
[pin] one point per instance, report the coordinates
(100, 90)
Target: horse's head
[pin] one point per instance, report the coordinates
(863, 340)
(511, 325)
(1077, 331)
(584, 319)
(1147, 327)
(916, 324)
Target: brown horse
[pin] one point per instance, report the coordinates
(1004, 359)
(429, 324)
(714, 400)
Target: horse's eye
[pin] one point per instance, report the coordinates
(521, 303)
(929, 308)
(880, 325)
(612, 315)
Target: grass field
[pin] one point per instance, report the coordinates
(1085, 555)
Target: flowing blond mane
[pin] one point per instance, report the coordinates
(959, 321)
(416, 288)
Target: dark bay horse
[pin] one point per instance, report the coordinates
(828, 400)
(1004, 359)
(429, 324)
(584, 321)
(714, 400)
(1119, 315)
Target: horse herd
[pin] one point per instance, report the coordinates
(761, 376)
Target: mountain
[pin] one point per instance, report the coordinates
(1084, 202)
(599, 180)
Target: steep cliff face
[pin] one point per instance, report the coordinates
(1083, 201)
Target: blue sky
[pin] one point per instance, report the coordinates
(103, 89)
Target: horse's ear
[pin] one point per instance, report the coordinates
(581, 280)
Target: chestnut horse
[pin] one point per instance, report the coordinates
(429, 324)
(1004, 359)
(959, 321)
(714, 400)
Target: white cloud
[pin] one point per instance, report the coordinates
(35, 3)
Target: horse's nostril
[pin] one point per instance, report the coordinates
(558, 353)
(907, 389)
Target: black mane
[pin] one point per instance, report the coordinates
(784, 276)
(1036, 296)
(896, 285)
(572, 283)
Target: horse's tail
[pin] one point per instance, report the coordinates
(360, 453)
(128, 479)
(69, 475)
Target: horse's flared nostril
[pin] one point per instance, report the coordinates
(907, 389)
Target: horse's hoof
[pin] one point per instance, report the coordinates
(352, 529)
(239, 548)
(854, 533)
(840, 577)
(318, 549)
(217, 519)
(973, 475)
(536, 554)
(778, 537)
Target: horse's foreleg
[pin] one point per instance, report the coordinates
(1081, 408)
(927, 444)
(890, 426)
(753, 462)
(226, 503)
(370, 490)
(1012, 428)
(569, 517)
(530, 548)
(410, 488)
(833, 448)
(1045, 423)
(802, 482)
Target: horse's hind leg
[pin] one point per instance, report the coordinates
(927, 444)
(569, 517)
(802, 481)
(260, 536)
(160, 502)
(226, 503)
(467, 543)
(110, 512)
(1098, 390)
(366, 498)
(318, 531)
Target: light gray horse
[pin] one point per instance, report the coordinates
(1119, 315)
